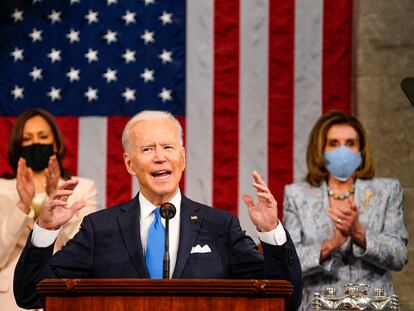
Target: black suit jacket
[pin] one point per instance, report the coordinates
(108, 245)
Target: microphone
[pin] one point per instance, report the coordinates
(167, 211)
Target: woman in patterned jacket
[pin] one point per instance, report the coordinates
(347, 226)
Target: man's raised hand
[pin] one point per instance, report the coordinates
(56, 211)
(264, 213)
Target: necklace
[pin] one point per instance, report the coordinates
(343, 195)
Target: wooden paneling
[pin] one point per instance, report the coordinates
(177, 295)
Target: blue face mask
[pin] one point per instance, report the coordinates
(342, 162)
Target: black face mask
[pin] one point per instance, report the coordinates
(37, 156)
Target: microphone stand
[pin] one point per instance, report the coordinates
(167, 211)
(166, 262)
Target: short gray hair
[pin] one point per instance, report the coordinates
(149, 115)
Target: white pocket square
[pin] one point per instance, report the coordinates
(199, 249)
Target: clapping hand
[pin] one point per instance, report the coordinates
(52, 173)
(25, 186)
(346, 220)
(56, 211)
(264, 213)
(344, 217)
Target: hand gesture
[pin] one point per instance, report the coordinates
(25, 186)
(52, 173)
(333, 244)
(338, 239)
(56, 211)
(346, 219)
(264, 213)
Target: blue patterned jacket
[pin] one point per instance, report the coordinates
(380, 204)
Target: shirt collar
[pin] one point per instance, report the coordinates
(147, 207)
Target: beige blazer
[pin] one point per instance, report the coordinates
(15, 227)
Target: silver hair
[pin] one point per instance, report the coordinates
(149, 115)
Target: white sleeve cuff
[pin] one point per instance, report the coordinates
(43, 237)
(274, 237)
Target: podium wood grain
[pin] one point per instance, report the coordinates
(168, 295)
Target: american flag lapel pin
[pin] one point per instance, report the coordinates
(194, 217)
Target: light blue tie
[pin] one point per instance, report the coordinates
(155, 247)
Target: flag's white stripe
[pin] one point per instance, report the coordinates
(199, 100)
(308, 77)
(253, 140)
(92, 153)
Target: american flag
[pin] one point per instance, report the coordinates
(246, 78)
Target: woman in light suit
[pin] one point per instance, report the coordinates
(36, 151)
(347, 226)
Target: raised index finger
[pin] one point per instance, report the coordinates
(258, 179)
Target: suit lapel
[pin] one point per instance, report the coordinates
(190, 223)
(130, 230)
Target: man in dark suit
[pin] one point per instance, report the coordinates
(114, 243)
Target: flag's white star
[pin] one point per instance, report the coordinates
(147, 75)
(129, 17)
(74, 1)
(110, 75)
(92, 17)
(110, 36)
(148, 36)
(73, 74)
(92, 55)
(91, 94)
(73, 36)
(17, 54)
(129, 56)
(54, 17)
(36, 74)
(54, 94)
(17, 15)
(36, 35)
(54, 55)
(17, 92)
(166, 56)
(165, 95)
(109, 2)
(129, 94)
(166, 18)
(148, 2)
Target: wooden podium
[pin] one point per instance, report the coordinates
(168, 295)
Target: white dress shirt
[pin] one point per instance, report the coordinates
(147, 217)
(43, 238)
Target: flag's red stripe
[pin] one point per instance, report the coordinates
(69, 126)
(6, 124)
(226, 104)
(337, 54)
(281, 62)
(118, 181)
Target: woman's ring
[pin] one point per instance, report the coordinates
(338, 220)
